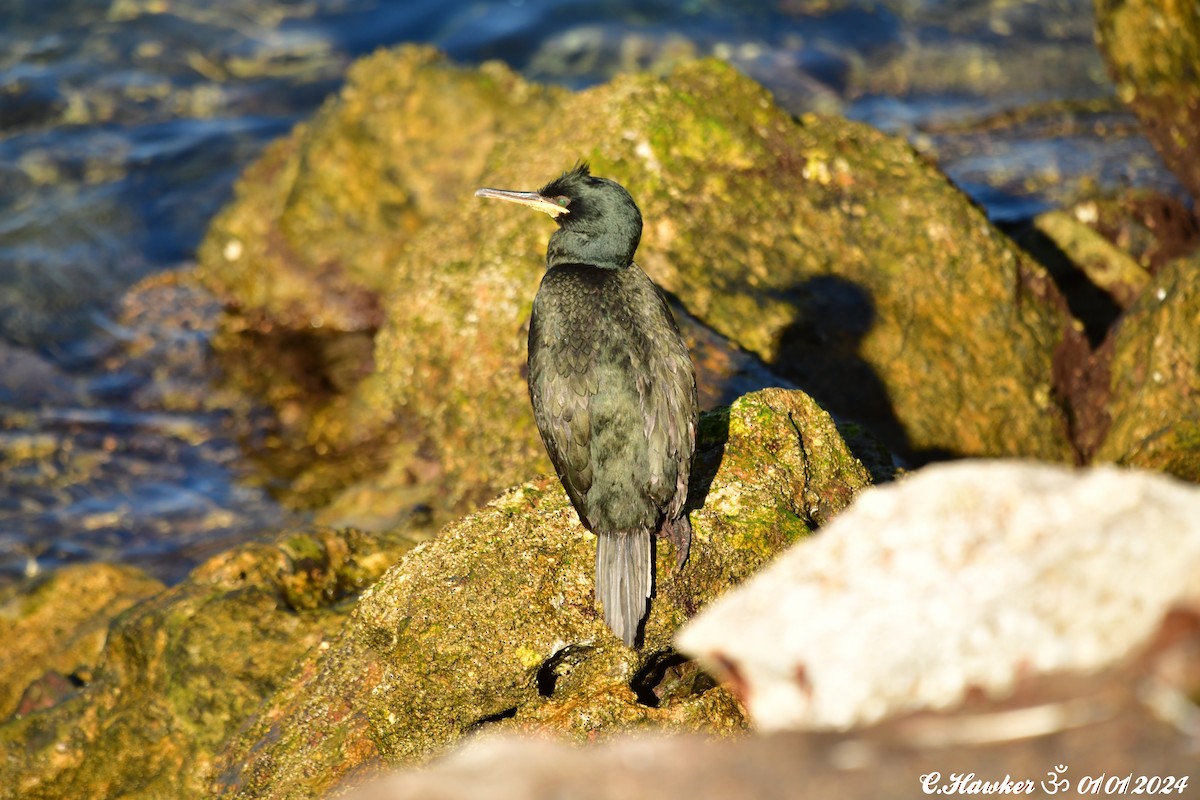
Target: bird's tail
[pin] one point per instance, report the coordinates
(623, 580)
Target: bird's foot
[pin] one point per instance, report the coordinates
(679, 533)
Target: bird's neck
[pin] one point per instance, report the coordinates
(581, 247)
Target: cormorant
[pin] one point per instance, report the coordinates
(612, 385)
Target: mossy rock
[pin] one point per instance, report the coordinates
(182, 670)
(494, 622)
(833, 252)
(56, 625)
(1107, 266)
(836, 254)
(318, 222)
(1154, 377)
(1153, 52)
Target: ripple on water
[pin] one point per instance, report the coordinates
(121, 476)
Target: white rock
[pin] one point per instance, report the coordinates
(962, 575)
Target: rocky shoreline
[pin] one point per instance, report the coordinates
(377, 313)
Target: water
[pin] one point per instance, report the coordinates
(123, 124)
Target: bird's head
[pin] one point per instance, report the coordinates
(598, 222)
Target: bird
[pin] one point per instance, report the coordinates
(613, 387)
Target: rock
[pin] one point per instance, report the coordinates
(1107, 266)
(1154, 228)
(1105, 254)
(1103, 251)
(834, 253)
(1131, 725)
(1151, 48)
(319, 221)
(58, 623)
(1154, 377)
(862, 766)
(960, 579)
(182, 671)
(493, 624)
(311, 241)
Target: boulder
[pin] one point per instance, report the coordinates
(961, 579)
(1154, 376)
(834, 253)
(57, 624)
(1153, 54)
(182, 670)
(494, 625)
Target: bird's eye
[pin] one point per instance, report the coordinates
(563, 201)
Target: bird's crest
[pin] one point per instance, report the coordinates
(575, 175)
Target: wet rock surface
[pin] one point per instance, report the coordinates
(54, 628)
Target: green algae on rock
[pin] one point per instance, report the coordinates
(750, 214)
(1107, 266)
(312, 238)
(1153, 53)
(1154, 373)
(320, 219)
(493, 622)
(765, 227)
(184, 669)
(1102, 252)
(58, 623)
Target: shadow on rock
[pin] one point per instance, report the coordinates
(821, 351)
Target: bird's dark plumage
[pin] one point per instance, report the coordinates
(612, 385)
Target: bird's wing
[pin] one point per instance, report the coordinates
(559, 388)
(668, 393)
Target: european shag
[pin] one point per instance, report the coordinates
(612, 385)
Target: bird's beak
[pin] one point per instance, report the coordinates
(531, 199)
